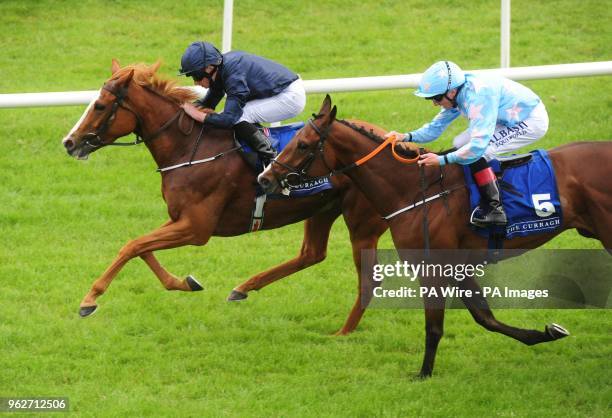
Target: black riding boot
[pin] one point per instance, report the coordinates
(256, 139)
(491, 210)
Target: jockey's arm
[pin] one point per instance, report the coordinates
(432, 130)
(482, 115)
(237, 95)
(231, 113)
(212, 98)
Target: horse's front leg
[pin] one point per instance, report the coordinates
(365, 226)
(169, 235)
(169, 280)
(313, 251)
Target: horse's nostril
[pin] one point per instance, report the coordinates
(69, 144)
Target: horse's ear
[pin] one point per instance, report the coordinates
(332, 115)
(115, 66)
(129, 77)
(326, 105)
(155, 67)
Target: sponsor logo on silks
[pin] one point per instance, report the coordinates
(535, 225)
(503, 136)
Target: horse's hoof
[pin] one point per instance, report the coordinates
(236, 296)
(86, 311)
(194, 285)
(556, 331)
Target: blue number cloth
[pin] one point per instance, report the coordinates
(529, 195)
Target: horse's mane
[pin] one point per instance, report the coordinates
(377, 138)
(144, 75)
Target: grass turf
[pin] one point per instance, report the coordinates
(149, 352)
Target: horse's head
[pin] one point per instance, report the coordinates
(108, 117)
(304, 158)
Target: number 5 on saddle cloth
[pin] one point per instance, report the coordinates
(529, 194)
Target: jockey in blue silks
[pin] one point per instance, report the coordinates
(503, 116)
(257, 89)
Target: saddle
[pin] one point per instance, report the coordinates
(513, 161)
(528, 191)
(508, 162)
(279, 137)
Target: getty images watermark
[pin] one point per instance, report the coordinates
(574, 279)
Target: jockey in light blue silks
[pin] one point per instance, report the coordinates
(503, 116)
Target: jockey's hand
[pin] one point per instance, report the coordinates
(193, 111)
(400, 136)
(429, 159)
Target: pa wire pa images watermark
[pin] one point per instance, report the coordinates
(536, 279)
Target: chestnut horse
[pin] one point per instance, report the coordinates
(585, 190)
(215, 197)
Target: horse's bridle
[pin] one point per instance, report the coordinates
(299, 175)
(94, 139)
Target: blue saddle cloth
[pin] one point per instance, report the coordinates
(529, 195)
(280, 137)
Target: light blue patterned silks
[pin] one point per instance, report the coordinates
(485, 100)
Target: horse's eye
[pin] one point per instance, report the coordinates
(99, 106)
(302, 146)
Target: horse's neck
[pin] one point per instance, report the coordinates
(170, 145)
(386, 182)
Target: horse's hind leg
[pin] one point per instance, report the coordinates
(602, 222)
(313, 251)
(170, 235)
(434, 304)
(482, 314)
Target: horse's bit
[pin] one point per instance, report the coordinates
(299, 175)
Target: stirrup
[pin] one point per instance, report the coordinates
(481, 224)
(472, 221)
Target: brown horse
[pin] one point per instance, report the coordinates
(214, 197)
(585, 190)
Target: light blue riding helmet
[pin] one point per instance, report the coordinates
(440, 78)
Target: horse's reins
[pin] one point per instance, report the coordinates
(301, 172)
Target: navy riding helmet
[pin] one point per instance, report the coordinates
(198, 56)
